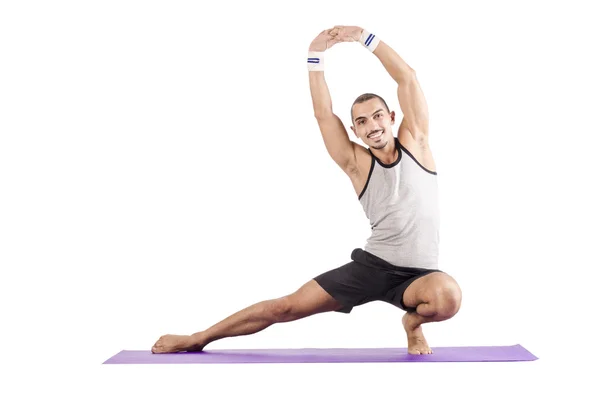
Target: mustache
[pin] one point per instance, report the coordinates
(374, 132)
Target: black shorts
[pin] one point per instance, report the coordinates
(369, 278)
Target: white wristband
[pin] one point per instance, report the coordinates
(316, 61)
(369, 40)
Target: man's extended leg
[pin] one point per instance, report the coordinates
(436, 297)
(308, 300)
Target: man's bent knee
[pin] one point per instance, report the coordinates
(447, 301)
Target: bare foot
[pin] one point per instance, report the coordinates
(176, 343)
(416, 340)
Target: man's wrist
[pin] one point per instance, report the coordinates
(316, 61)
(369, 40)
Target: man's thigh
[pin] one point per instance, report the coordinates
(352, 284)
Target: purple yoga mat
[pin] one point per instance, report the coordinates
(337, 355)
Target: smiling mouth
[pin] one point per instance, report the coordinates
(375, 134)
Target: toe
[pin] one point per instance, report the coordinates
(156, 348)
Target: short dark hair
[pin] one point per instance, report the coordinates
(364, 98)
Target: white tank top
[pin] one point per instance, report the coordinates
(401, 203)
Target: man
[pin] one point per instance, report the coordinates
(395, 181)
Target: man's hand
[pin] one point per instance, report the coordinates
(347, 33)
(324, 41)
(328, 38)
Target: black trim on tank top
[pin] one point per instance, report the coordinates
(398, 146)
(369, 177)
(415, 160)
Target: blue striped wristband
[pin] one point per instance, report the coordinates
(369, 40)
(316, 61)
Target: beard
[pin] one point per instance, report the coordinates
(380, 145)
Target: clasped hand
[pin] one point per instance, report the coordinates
(338, 34)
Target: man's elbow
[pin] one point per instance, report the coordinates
(321, 114)
(405, 75)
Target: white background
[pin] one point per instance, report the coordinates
(161, 168)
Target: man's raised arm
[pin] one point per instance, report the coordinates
(411, 98)
(334, 133)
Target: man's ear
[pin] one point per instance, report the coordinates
(393, 116)
(353, 130)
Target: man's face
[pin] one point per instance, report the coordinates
(373, 123)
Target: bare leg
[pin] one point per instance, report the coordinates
(308, 300)
(437, 297)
